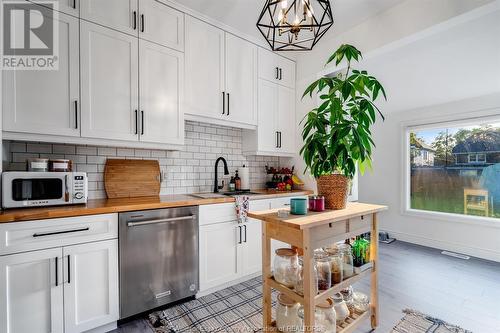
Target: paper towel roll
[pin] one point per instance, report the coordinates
(244, 173)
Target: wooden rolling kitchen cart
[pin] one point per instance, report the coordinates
(312, 231)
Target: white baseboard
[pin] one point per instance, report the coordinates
(446, 245)
(226, 285)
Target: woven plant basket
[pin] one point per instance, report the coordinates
(335, 189)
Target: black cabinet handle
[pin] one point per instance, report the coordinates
(135, 20)
(228, 104)
(57, 280)
(239, 242)
(74, 4)
(277, 140)
(136, 123)
(277, 73)
(281, 76)
(69, 270)
(223, 102)
(279, 136)
(142, 122)
(142, 22)
(59, 232)
(245, 232)
(76, 114)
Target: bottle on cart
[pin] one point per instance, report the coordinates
(232, 185)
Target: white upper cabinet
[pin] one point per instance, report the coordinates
(71, 7)
(91, 285)
(275, 134)
(46, 101)
(161, 94)
(161, 24)
(121, 15)
(31, 292)
(204, 56)
(109, 79)
(221, 76)
(241, 80)
(286, 126)
(275, 68)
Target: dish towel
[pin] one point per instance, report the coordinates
(242, 208)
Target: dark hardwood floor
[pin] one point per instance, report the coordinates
(462, 292)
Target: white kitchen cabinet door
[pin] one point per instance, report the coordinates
(161, 24)
(91, 285)
(287, 72)
(286, 119)
(109, 83)
(121, 15)
(241, 80)
(46, 101)
(30, 301)
(267, 135)
(268, 65)
(161, 94)
(251, 248)
(204, 57)
(71, 7)
(218, 254)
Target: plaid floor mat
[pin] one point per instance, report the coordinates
(235, 309)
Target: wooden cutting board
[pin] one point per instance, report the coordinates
(131, 178)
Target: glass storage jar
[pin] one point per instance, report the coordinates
(323, 266)
(341, 309)
(347, 266)
(325, 319)
(336, 264)
(287, 318)
(361, 302)
(347, 296)
(299, 282)
(285, 267)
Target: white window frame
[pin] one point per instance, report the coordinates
(487, 116)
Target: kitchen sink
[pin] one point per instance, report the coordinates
(210, 195)
(231, 194)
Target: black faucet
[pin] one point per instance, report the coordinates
(226, 172)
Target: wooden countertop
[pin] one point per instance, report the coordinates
(314, 219)
(105, 206)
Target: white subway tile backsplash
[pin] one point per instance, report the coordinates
(187, 171)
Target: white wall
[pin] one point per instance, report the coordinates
(385, 184)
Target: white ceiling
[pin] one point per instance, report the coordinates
(243, 14)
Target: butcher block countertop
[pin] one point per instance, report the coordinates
(315, 219)
(105, 206)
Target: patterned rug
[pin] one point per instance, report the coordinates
(416, 322)
(235, 309)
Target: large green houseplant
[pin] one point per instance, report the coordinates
(337, 133)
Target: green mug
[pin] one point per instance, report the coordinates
(298, 206)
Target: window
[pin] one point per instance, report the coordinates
(463, 175)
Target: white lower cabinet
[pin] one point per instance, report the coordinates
(91, 285)
(218, 254)
(231, 251)
(70, 288)
(31, 300)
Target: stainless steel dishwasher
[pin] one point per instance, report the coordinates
(158, 258)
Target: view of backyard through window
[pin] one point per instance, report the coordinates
(456, 169)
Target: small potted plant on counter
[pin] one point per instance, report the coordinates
(337, 133)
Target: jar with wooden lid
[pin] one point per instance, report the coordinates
(325, 319)
(287, 318)
(285, 267)
(323, 267)
(299, 282)
(38, 164)
(336, 264)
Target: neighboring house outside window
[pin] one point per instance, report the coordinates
(455, 169)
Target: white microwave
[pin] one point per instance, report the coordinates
(35, 189)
